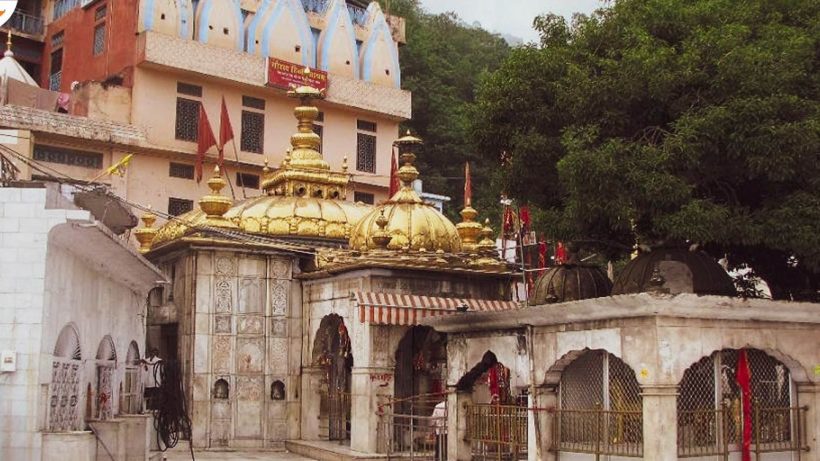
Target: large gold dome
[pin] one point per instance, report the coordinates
(405, 222)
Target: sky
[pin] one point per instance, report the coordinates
(509, 16)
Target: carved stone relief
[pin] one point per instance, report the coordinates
(279, 355)
(279, 328)
(251, 295)
(279, 296)
(250, 355)
(222, 324)
(225, 266)
(222, 353)
(280, 268)
(223, 294)
(250, 388)
(250, 324)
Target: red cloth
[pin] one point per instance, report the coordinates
(560, 253)
(492, 381)
(542, 254)
(509, 224)
(394, 176)
(525, 219)
(468, 186)
(225, 131)
(205, 140)
(744, 381)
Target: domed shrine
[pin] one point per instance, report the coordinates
(570, 281)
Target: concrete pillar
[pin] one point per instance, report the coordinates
(310, 400)
(370, 387)
(808, 395)
(544, 402)
(660, 422)
(458, 447)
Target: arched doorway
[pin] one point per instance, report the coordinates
(131, 395)
(66, 374)
(421, 370)
(106, 364)
(332, 352)
(600, 408)
(711, 413)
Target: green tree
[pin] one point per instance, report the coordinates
(692, 120)
(441, 65)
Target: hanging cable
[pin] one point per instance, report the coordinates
(171, 419)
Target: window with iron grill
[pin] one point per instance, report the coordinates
(99, 39)
(100, 13)
(319, 129)
(364, 125)
(366, 153)
(187, 120)
(57, 40)
(190, 90)
(253, 131)
(248, 180)
(253, 103)
(178, 206)
(68, 157)
(364, 197)
(181, 170)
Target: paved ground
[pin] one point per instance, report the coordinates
(182, 455)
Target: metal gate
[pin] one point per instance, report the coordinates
(414, 428)
(497, 432)
(338, 415)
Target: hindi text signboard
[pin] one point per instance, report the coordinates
(283, 74)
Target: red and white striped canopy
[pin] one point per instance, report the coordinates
(397, 309)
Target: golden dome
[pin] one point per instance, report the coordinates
(411, 224)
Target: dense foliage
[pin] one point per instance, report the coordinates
(441, 64)
(685, 120)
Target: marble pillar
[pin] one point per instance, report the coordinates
(458, 447)
(371, 387)
(311, 399)
(808, 395)
(544, 402)
(660, 422)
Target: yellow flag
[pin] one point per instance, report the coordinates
(119, 167)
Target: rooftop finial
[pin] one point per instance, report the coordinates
(8, 52)
(145, 235)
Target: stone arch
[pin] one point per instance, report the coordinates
(68, 343)
(222, 390)
(421, 363)
(131, 390)
(336, 48)
(280, 29)
(106, 351)
(796, 369)
(106, 364)
(219, 23)
(468, 380)
(132, 357)
(332, 352)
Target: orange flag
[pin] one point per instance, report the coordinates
(205, 140)
(225, 131)
(394, 176)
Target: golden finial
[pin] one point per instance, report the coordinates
(381, 238)
(266, 168)
(215, 205)
(145, 235)
(407, 172)
(486, 242)
(344, 164)
(8, 52)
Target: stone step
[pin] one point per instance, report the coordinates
(329, 451)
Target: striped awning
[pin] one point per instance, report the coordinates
(397, 309)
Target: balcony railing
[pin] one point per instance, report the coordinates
(61, 7)
(357, 14)
(26, 23)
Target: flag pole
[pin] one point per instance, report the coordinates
(236, 156)
(227, 176)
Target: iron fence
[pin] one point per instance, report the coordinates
(497, 431)
(414, 427)
(719, 432)
(338, 415)
(599, 432)
(26, 23)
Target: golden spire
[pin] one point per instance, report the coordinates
(487, 243)
(381, 238)
(8, 52)
(145, 235)
(407, 172)
(215, 205)
(468, 229)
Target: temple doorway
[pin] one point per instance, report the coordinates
(332, 352)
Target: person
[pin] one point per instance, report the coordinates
(151, 378)
(440, 423)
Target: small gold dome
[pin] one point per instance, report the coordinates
(179, 227)
(412, 224)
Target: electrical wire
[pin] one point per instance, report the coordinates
(170, 410)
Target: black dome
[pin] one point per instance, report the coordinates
(570, 282)
(681, 271)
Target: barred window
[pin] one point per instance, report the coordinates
(69, 157)
(99, 39)
(248, 180)
(253, 131)
(319, 129)
(364, 197)
(187, 121)
(366, 153)
(178, 206)
(253, 103)
(57, 40)
(364, 125)
(100, 13)
(181, 170)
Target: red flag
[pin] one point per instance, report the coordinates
(560, 253)
(525, 219)
(509, 224)
(205, 140)
(394, 176)
(468, 186)
(225, 131)
(744, 381)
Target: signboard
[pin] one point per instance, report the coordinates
(283, 74)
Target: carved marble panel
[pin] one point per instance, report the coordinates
(279, 328)
(280, 268)
(225, 265)
(250, 355)
(251, 295)
(221, 409)
(223, 294)
(222, 353)
(279, 355)
(250, 388)
(279, 296)
(250, 324)
(249, 425)
(254, 267)
(222, 324)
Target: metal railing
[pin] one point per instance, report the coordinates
(598, 432)
(337, 406)
(62, 7)
(719, 432)
(497, 431)
(410, 428)
(26, 23)
(55, 80)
